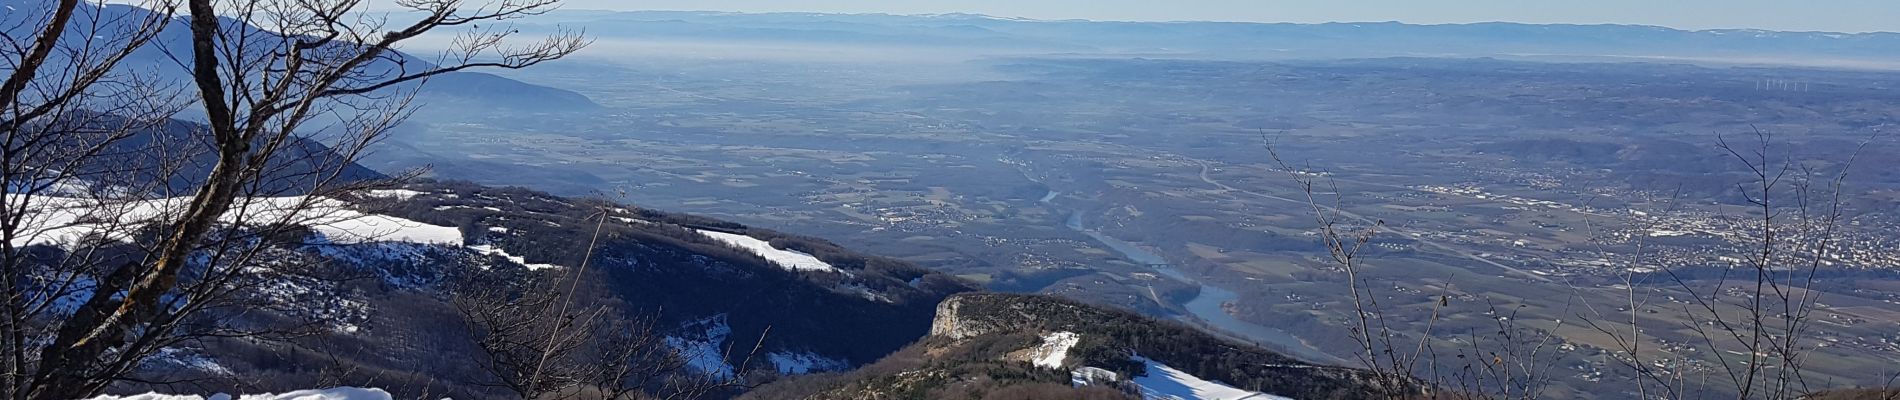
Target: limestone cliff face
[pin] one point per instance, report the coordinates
(974, 314)
(948, 320)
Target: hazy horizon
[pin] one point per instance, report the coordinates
(1847, 16)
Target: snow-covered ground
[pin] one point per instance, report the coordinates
(1166, 383)
(790, 363)
(497, 251)
(398, 194)
(788, 259)
(1054, 349)
(342, 393)
(347, 226)
(702, 343)
(60, 220)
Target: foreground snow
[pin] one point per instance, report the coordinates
(1166, 383)
(1054, 349)
(788, 259)
(342, 393)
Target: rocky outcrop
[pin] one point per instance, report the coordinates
(975, 314)
(1119, 341)
(950, 321)
(945, 324)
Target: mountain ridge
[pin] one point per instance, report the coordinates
(987, 36)
(463, 89)
(988, 17)
(987, 345)
(393, 271)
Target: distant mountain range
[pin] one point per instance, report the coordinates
(1244, 40)
(461, 90)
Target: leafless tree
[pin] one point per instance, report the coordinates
(124, 230)
(1754, 319)
(62, 71)
(1379, 347)
(1508, 363)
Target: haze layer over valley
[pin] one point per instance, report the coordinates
(1526, 178)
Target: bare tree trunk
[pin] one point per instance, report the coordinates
(279, 62)
(29, 65)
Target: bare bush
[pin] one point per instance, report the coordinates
(1753, 320)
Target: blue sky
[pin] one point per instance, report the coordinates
(1822, 15)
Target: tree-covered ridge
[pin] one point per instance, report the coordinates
(978, 340)
(1110, 337)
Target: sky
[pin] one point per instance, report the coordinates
(1791, 15)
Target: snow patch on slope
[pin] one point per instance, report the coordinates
(788, 259)
(341, 393)
(191, 359)
(497, 251)
(789, 363)
(1054, 349)
(350, 227)
(61, 220)
(1166, 383)
(398, 194)
(703, 349)
(156, 396)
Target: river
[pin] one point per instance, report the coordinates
(1207, 306)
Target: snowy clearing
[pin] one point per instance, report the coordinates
(1166, 383)
(62, 220)
(398, 194)
(342, 393)
(497, 251)
(1054, 349)
(787, 259)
